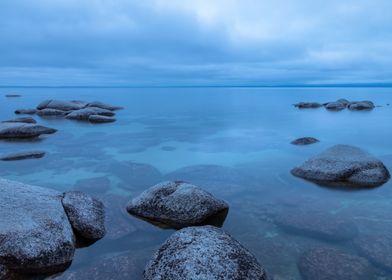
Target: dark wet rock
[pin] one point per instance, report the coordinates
(203, 253)
(13, 95)
(101, 119)
(377, 248)
(343, 101)
(344, 166)
(325, 263)
(86, 214)
(60, 105)
(25, 111)
(335, 106)
(23, 130)
(84, 114)
(21, 120)
(305, 141)
(23, 155)
(316, 224)
(361, 105)
(51, 112)
(93, 185)
(36, 236)
(308, 105)
(178, 205)
(104, 106)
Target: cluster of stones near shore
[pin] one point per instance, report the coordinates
(338, 105)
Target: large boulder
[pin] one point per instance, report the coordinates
(23, 130)
(344, 166)
(23, 155)
(361, 105)
(177, 205)
(377, 248)
(99, 104)
(304, 141)
(203, 253)
(326, 263)
(60, 105)
(84, 114)
(308, 105)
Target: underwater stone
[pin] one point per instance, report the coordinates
(103, 106)
(21, 120)
(177, 205)
(25, 111)
(23, 130)
(203, 253)
(60, 105)
(23, 155)
(93, 185)
(84, 114)
(100, 119)
(308, 105)
(51, 112)
(377, 248)
(325, 263)
(305, 141)
(344, 166)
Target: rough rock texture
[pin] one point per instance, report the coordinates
(377, 248)
(305, 141)
(25, 111)
(51, 112)
(361, 105)
(344, 166)
(21, 120)
(335, 106)
(203, 253)
(23, 155)
(320, 225)
(100, 119)
(324, 263)
(36, 236)
(84, 114)
(178, 204)
(308, 105)
(23, 130)
(60, 105)
(103, 106)
(86, 214)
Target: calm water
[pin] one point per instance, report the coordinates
(235, 143)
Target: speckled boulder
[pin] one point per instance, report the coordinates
(308, 105)
(103, 106)
(84, 114)
(60, 105)
(344, 166)
(325, 263)
(86, 214)
(23, 130)
(304, 141)
(203, 253)
(178, 204)
(47, 112)
(377, 248)
(21, 120)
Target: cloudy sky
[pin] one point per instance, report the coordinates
(194, 42)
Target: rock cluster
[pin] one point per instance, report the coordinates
(339, 105)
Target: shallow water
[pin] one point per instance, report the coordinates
(240, 137)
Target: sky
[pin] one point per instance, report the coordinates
(194, 42)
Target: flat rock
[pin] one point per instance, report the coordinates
(377, 248)
(203, 253)
(344, 166)
(84, 114)
(60, 105)
(51, 112)
(23, 130)
(326, 263)
(103, 106)
(86, 214)
(13, 95)
(25, 111)
(308, 105)
(23, 155)
(361, 105)
(177, 205)
(21, 120)
(305, 141)
(101, 119)
(335, 106)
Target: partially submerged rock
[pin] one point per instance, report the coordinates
(51, 112)
(203, 253)
(178, 204)
(23, 155)
(326, 263)
(25, 111)
(361, 105)
(377, 248)
(84, 114)
(103, 106)
(23, 130)
(60, 105)
(21, 120)
(101, 119)
(335, 106)
(13, 95)
(305, 141)
(308, 105)
(344, 166)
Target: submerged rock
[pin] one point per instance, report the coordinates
(103, 106)
(85, 214)
(325, 263)
(305, 141)
(203, 253)
(84, 114)
(60, 105)
(178, 204)
(23, 155)
(93, 185)
(51, 112)
(25, 111)
(344, 166)
(23, 130)
(100, 119)
(21, 120)
(377, 248)
(335, 106)
(308, 105)
(361, 105)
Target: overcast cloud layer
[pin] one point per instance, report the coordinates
(178, 42)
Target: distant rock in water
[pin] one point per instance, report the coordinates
(305, 141)
(25, 111)
(361, 106)
(335, 106)
(101, 119)
(377, 248)
(308, 105)
(23, 130)
(23, 155)
(343, 101)
(344, 166)
(13, 95)
(103, 106)
(60, 105)
(203, 253)
(339, 105)
(177, 205)
(326, 263)
(21, 120)
(51, 112)
(84, 114)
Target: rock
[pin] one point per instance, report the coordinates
(344, 166)
(13, 95)
(36, 236)
(361, 105)
(23, 155)
(60, 105)
(344, 101)
(317, 224)
(6, 274)
(305, 141)
(104, 106)
(308, 105)
(177, 205)
(51, 112)
(100, 119)
(25, 111)
(23, 130)
(93, 185)
(86, 214)
(377, 248)
(84, 114)
(21, 120)
(203, 253)
(325, 263)
(335, 106)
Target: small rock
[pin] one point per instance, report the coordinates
(377, 248)
(23, 155)
(84, 114)
(177, 205)
(21, 120)
(308, 105)
(305, 141)
(335, 106)
(60, 105)
(25, 111)
(23, 130)
(104, 106)
(100, 119)
(361, 106)
(13, 95)
(51, 112)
